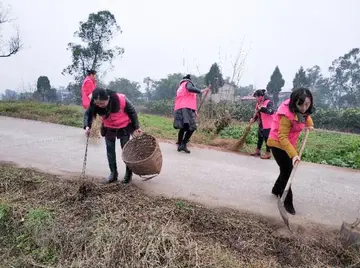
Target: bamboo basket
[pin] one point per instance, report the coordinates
(143, 156)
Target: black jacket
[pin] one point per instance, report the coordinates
(113, 107)
(269, 109)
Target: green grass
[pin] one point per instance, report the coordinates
(338, 149)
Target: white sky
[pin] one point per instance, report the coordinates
(159, 34)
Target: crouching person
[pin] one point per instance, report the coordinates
(119, 119)
(185, 111)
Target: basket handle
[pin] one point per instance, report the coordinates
(133, 135)
(148, 178)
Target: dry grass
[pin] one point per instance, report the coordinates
(45, 222)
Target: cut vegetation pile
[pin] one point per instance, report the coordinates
(44, 223)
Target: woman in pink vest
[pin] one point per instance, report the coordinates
(88, 86)
(119, 119)
(290, 119)
(185, 111)
(264, 111)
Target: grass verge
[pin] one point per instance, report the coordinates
(338, 149)
(44, 223)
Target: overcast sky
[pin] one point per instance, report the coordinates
(160, 35)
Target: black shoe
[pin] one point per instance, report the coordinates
(274, 192)
(184, 148)
(290, 208)
(113, 177)
(128, 176)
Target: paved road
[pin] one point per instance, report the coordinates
(323, 194)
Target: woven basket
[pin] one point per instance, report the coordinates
(143, 156)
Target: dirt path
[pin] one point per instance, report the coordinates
(323, 194)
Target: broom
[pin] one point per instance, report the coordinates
(239, 144)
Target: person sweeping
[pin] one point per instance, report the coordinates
(119, 121)
(290, 119)
(185, 111)
(264, 111)
(87, 88)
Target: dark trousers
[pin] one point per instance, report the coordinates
(184, 134)
(285, 163)
(111, 151)
(263, 135)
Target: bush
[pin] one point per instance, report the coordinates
(347, 120)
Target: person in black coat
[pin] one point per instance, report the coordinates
(119, 121)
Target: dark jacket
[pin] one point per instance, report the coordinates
(190, 86)
(113, 107)
(269, 109)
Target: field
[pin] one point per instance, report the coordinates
(324, 147)
(46, 222)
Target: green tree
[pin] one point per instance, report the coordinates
(300, 79)
(94, 51)
(149, 87)
(319, 85)
(345, 79)
(214, 78)
(14, 44)
(275, 85)
(127, 87)
(42, 88)
(51, 95)
(165, 88)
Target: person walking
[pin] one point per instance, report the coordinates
(185, 111)
(290, 119)
(264, 111)
(119, 121)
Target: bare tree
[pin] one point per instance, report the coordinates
(14, 44)
(239, 65)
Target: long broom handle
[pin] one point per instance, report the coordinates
(202, 101)
(287, 187)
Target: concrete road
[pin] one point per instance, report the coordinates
(322, 194)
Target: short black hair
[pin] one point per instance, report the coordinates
(100, 94)
(187, 77)
(299, 95)
(259, 92)
(91, 72)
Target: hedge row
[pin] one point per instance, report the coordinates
(347, 120)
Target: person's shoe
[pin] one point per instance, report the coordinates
(266, 156)
(184, 148)
(113, 177)
(274, 192)
(290, 208)
(256, 153)
(128, 176)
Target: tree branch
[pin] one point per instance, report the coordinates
(14, 46)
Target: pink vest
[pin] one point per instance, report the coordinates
(296, 126)
(85, 95)
(184, 98)
(266, 119)
(119, 119)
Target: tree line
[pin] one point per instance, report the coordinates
(339, 89)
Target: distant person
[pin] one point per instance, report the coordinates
(264, 111)
(87, 88)
(290, 119)
(119, 119)
(185, 111)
